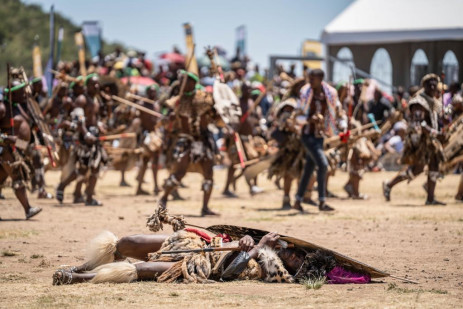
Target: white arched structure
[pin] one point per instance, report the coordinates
(381, 69)
(342, 69)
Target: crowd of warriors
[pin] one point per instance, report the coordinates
(289, 126)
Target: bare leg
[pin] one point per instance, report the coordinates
(207, 166)
(134, 246)
(78, 197)
(123, 183)
(154, 169)
(411, 172)
(141, 176)
(286, 189)
(145, 271)
(18, 186)
(230, 177)
(459, 195)
(179, 170)
(90, 190)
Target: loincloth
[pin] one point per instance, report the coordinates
(420, 149)
(290, 158)
(199, 149)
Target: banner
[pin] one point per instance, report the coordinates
(314, 49)
(241, 40)
(79, 39)
(92, 33)
(37, 61)
(50, 63)
(60, 43)
(189, 48)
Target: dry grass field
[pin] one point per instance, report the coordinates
(402, 237)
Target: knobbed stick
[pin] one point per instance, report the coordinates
(117, 136)
(134, 105)
(141, 98)
(212, 249)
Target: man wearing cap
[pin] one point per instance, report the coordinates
(422, 146)
(194, 148)
(14, 141)
(318, 109)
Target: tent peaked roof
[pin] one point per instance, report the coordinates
(389, 21)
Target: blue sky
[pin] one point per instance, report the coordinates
(273, 26)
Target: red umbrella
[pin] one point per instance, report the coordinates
(138, 80)
(173, 57)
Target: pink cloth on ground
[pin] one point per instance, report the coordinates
(339, 275)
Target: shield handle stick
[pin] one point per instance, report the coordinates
(190, 57)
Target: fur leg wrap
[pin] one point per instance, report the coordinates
(18, 184)
(102, 250)
(121, 272)
(160, 216)
(207, 185)
(171, 182)
(274, 269)
(39, 174)
(433, 176)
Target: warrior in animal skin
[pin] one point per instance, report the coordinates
(195, 149)
(89, 152)
(14, 141)
(422, 146)
(188, 256)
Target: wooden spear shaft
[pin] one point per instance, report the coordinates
(117, 136)
(212, 249)
(141, 98)
(134, 105)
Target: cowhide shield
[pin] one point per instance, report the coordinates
(236, 232)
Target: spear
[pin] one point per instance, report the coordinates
(215, 249)
(117, 136)
(10, 100)
(139, 107)
(137, 97)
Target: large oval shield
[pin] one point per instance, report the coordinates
(226, 104)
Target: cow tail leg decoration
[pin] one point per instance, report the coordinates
(155, 221)
(102, 250)
(121, 272)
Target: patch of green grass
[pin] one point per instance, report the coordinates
(44, 263)
(46, 300)
(12, 234)
(11, 277)
(313, 283)
(394, 287)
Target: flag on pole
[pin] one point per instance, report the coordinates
(312, 48)
(241, 39)
(60, 43)
(92, 33)
(37, 61)
(189, 46)
(79, 39)
(50, 63)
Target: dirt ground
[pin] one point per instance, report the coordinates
(402, 237)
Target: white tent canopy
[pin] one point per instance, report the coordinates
(391, 21)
